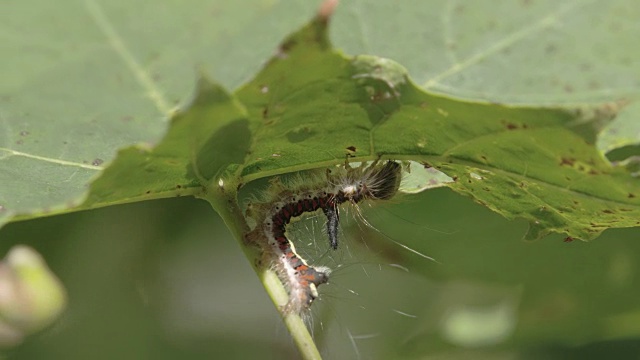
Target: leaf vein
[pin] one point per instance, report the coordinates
(142, 76)
(543, 23)
(50, 160)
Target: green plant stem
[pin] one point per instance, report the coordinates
(223, 200)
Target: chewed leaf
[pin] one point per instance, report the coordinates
(623, 131)
(544, 53)
(312, 107)
(373, 67)
(419, 177)
(539, 164)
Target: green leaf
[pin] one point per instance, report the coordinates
(624, 131)
(214, 131)
(310, 105)
(85, 79)
(309, 108)
(527, 52)
(535, 53)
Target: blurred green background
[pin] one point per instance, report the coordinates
(165, 280)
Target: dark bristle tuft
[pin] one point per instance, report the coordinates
(388, 183)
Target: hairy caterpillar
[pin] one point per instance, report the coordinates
(313, 192)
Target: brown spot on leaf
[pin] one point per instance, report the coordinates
(607, 211)
(351, 148)
(567, 161)
(97, 162)
(631, 196)
(568, 239)
(286, 46)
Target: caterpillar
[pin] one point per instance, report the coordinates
(287, 201)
